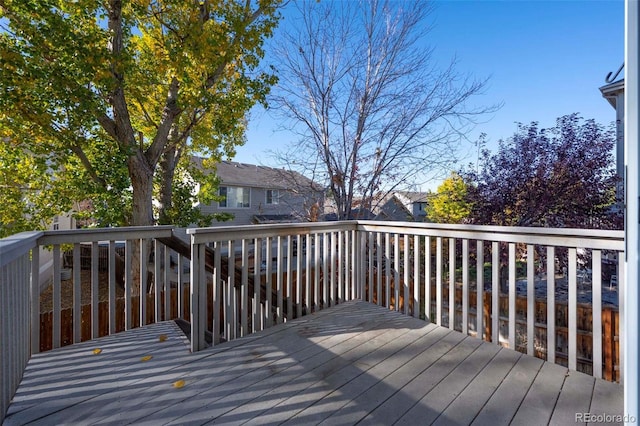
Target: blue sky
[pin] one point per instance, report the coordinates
(545, 59)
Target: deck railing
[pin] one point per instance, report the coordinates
(281, 272)
(484, 281)
(16, 294)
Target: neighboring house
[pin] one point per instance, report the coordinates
(399, 206)
(259, 194)
(614, 93)
(404, 206)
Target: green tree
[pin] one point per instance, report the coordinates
(110, 98)
(450, 204)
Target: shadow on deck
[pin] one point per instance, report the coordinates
(355, 362)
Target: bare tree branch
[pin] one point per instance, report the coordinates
(360, 88)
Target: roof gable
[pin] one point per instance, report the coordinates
(250, 175)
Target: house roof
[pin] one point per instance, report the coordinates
(610, 91)
(413, 196)
(251, 175)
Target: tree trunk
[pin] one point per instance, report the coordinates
(168, 164)
(142, 214)
(141, 174)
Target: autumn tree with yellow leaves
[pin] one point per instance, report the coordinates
(106, 99)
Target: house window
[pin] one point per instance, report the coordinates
(234, 197)
(273, 196)
(56, 223)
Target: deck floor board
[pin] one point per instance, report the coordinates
(355, 362)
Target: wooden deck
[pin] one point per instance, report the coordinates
(354, 363)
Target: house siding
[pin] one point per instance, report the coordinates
(289, 203)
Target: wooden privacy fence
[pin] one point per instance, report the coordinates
(66, 318)
(610, 326)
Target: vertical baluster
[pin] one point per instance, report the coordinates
(269, 283)
(217, 287)
(180, 287)
(378, 272)
(387, 270)
(495, 292)
(143, 282)
(244, 290)
(194, 295)
(439, 280)
(314, 303)
(362, 252)
(573, 308)
(427, 278)
(112, 287)
(325, 269)
(370, 277)
(232, 304)
(341, 267)
(279, 281)
(56, 296)
(531, 300)
(452, 283)
(596, 273)
(128, 281)
(348, 250)
(156, 281)
(405, 275)
(203, 298)
(307, 285)
(396, 271)
(257, 251)
(167, 284)
(480, 289)
(512, 296)
(299, 277)
(94, 289)
(416, 276)
(465, 286)
(333, 268)
(551, 304)
(289, 277)
(77, 294)
(354, 253)
(35, 300)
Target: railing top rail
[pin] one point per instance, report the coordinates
(105, 234)
(225, 233)
(14, 246)
(568, 237)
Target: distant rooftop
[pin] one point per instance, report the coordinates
(252, 175)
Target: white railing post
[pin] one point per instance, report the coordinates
(551, 304)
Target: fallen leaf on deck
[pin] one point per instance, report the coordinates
(178, 384)
(163, 337)
(146, 358)
(96, 351)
